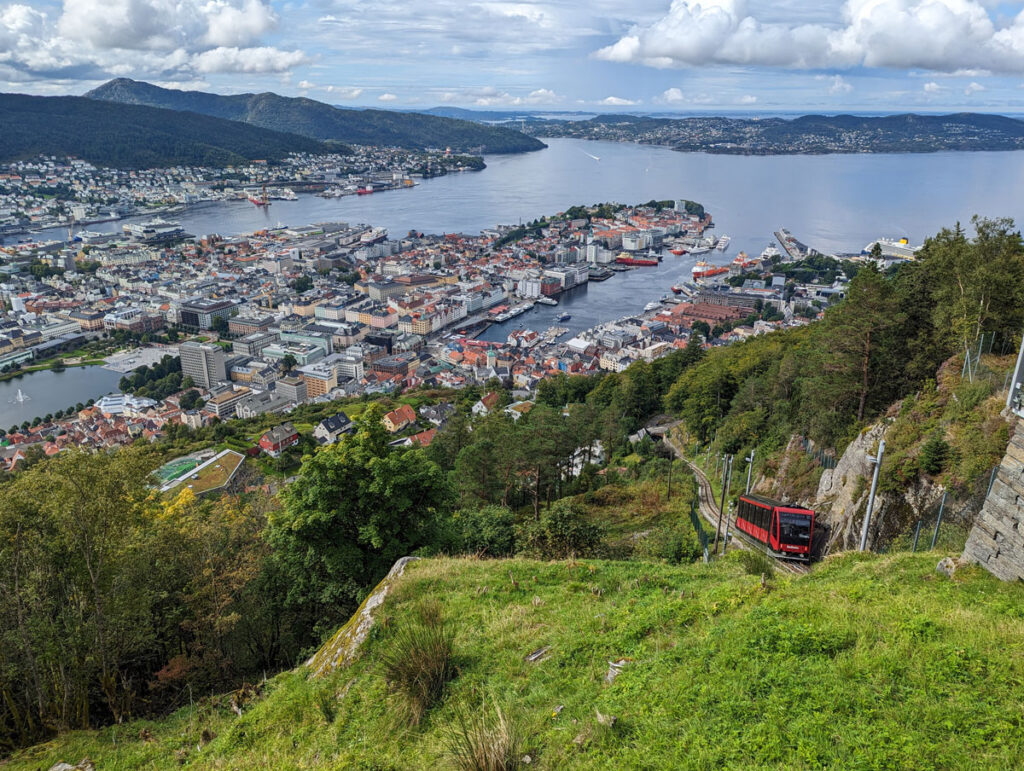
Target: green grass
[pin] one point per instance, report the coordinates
(872, 662)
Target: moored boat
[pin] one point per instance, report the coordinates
(705, 270)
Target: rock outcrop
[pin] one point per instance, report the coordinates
(343, 648)
(996, 541)
(842, 497)
(843, 491)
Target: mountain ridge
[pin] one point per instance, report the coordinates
(321, 121)
(136, 136)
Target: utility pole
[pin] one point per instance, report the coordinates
(750, 465)
(668, 494)
(877, 460)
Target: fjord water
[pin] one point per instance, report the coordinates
(836, 203)
(831, 202)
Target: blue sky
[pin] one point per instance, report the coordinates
(649, 55)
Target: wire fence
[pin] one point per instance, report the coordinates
(946, 526)
(827, 458)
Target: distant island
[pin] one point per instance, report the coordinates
(806, 135)
(135, 136)
(323, 122)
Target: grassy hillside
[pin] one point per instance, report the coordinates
(322, 121)
(867, 662)
(134, 136)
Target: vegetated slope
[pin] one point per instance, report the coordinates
(868, 662)
(806, 134)
(134, 136)
(322, 121)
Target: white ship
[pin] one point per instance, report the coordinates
(898, 248)
(770, 251)
(723, 243)
(653, 306)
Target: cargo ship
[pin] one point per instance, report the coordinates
(261, 201)
(743, 261)
(705, 270)
(625, 259)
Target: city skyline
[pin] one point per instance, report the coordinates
(653, 56)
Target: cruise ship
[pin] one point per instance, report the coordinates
(898, 248)
(723, 243)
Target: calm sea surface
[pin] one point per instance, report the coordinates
(832, 202)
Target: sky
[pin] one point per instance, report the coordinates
(555, 55)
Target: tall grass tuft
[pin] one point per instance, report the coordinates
(420, 660)
(756, 563)
(483, 740)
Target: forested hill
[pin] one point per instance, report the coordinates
(322, 121)
(907, 133)
(135, 136)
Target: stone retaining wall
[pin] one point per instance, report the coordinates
(996, 541)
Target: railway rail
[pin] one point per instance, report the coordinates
(709, 510)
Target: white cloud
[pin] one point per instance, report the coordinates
(247, 60)
(305, 85)
(973, 88)
(617, 101)
(345, 92)
(490, 96)
(839, 85)
(543, 96)
(936, 35)
(165, 25)
(175, 41)
(747, 99)
(671, 96)
(387, 97)
(931, 87)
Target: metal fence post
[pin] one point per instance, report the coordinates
(938, 521)
(991, 481)
(871, 497)
(728, 518)
(917, 533)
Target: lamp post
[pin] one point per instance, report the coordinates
(750, 465)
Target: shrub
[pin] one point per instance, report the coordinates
(326, 703)
(483, 740)
(934, 454)
(756, 563)
(562, 530)
(490, 531)
(420, 660)
(675, 544)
